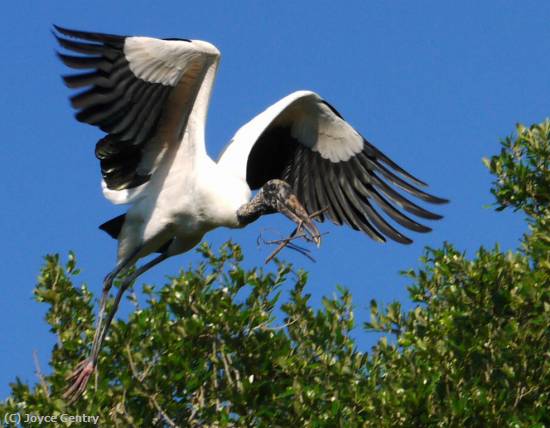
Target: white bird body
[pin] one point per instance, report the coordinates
(151, 97)
(189, 194)
(189, 204)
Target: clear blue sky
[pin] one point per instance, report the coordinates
(433, 84)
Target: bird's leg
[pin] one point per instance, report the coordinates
(107, 284)
(277, 196)
(85, 368)
(123, 287)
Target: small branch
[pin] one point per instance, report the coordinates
(197, 403)
(215, 374)
(521, 393)
(264, 326)
(146, 371)
(121, 409)
(237, 374)
(282, 243)
(201, 397)
(280, 327)
(226, 367)
(151, 397)
(132, 296)
(96, 379)
(166, 418)
(287, 242)
(39, 373)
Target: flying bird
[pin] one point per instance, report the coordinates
(150, 96)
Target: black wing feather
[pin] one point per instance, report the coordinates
(308, 188)
(320, 189)
(78, 62)
(96, 78)
(114, 99)
(88, 48)
(351, 188)
(367, 191)
(349, 191)
(109, 39)
(371, 164)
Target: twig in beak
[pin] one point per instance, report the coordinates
(296, 234)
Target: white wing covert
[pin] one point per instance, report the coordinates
(133, 87)
(303, 140)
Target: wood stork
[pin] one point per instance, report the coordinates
(150, 96)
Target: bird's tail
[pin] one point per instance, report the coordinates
(114, 226)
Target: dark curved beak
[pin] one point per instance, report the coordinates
(293, 209)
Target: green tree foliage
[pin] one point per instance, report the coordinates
(207, 348)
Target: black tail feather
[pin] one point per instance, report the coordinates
(114, 226)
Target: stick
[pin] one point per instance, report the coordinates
(40, 374)
(296, 234)
(151, 397)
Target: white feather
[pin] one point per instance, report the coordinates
(312, 123)
(186, 66)
(235, 155)
(165, 61)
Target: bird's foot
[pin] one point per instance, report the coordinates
(79, 378)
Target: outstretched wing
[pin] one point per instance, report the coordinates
(303, 140)
(140, 91)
